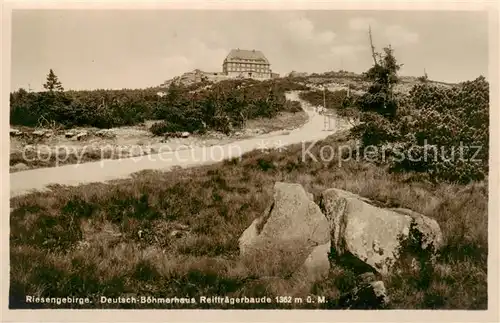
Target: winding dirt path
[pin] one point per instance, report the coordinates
(110, 169)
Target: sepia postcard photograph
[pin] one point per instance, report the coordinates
(234, 158)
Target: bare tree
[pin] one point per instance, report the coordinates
(374, 55)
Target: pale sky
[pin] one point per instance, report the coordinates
(135, 49)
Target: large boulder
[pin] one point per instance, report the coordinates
(375, 236)
(317, 264)
(429, 232)
(288, 232)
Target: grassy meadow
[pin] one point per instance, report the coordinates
(176, 234)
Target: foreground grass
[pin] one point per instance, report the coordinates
(176, 234)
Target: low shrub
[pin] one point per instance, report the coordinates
(222, 106)
(444, 130)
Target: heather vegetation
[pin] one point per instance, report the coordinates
(176, 234)
(225, 106)
(98, 108)
(222, 106)
(444, 131)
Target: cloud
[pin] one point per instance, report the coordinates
(325, 37)
(303, 29)
(347, 49)
(362, 23)
(398, 35)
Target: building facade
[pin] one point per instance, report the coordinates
(239, 63)
(247, 64)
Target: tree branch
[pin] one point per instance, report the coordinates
(371, 46)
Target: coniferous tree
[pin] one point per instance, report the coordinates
(383, 76)
(53, 83)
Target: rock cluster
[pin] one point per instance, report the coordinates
(76, 135)
(105, 133)
(178, 134)
(297, 235)
(39, 133)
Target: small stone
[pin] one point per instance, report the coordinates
(70, 134)
(380, 292)
(39, 133)
(367, 277)
(81, 135)
(82, 245)
(20, 167)
(176, 234)
(15, 132)
(182, 226)
(369, 293)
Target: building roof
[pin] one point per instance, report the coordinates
(253, 55)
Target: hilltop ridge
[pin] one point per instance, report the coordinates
(330, 79)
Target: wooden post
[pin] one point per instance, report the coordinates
(324, 97)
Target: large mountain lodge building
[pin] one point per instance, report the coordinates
(239, 63)
(246, 64)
